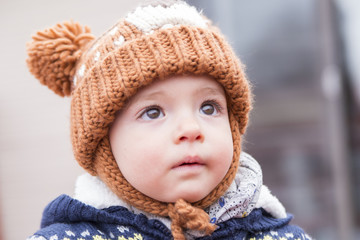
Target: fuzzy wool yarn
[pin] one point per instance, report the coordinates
(54, 53)
(151, 43)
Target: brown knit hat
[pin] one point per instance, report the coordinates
(153, 42)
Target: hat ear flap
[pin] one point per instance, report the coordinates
(54, 52)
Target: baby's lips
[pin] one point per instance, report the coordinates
(190, 160)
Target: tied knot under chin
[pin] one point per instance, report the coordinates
(185, 216)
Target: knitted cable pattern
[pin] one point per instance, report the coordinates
(185, 216)
(107, 84)
(103, 76)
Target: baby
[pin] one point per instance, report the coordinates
(159, 104)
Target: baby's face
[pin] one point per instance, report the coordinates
(173, 139)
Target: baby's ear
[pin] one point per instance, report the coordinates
(54, 52)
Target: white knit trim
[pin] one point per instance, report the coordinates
(149, 18)
(94, 192)
(270, 203)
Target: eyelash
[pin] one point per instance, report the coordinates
(212, 102)
(143, 112)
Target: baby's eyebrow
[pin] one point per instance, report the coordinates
(161, 93)
(153, 95)
(148, 97)
(211, 91)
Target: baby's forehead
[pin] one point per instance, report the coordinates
(175, 85)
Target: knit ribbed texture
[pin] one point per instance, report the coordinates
(107, 84)
(131, 55)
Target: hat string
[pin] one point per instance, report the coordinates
(185, 216)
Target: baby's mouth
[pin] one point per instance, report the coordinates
(188, 164)
(190, 161)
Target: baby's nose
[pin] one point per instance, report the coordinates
(189, 131)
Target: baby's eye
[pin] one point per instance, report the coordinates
(210, 108)
(152, 113)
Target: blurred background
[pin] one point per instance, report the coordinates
(301, 58)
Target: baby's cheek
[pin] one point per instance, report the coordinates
(148, 160)
(224, 157)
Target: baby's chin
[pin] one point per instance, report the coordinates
(189, 196)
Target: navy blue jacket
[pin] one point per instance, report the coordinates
(66, 218)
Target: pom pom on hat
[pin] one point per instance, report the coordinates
(54, 52)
